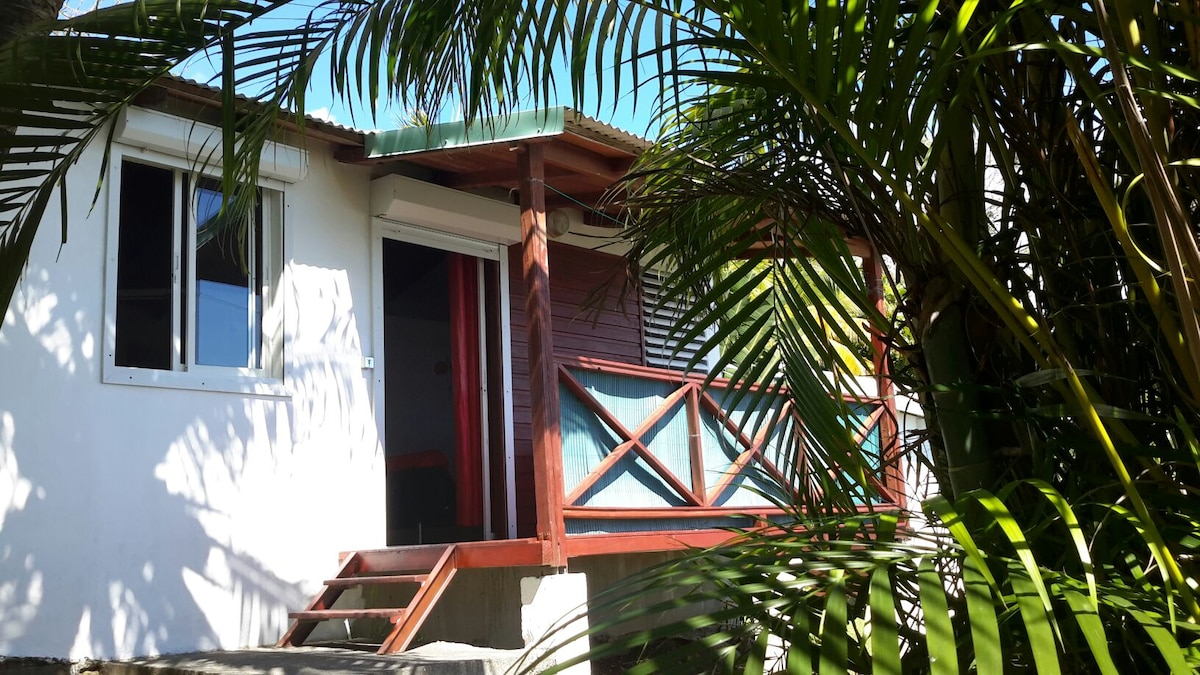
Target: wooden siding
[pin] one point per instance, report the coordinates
(613, 334)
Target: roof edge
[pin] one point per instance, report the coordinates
(210, 96)
(518, 126)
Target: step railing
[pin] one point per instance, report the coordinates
(429, 568)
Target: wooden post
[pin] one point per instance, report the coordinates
(543, 371)
(888, 441)
(695, 447)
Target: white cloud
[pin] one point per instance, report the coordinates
(322, 113)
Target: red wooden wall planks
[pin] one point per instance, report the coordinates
(614, 334)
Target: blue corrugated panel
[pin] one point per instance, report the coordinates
(870, 444)
(753, 487)
(781, 447)
(668, 441)
(859, 412)
(632, 483)
(719, 446)
(587, 440)
(603, 525)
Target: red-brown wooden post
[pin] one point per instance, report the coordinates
(889, 443)
(695, 447)
(543, 371)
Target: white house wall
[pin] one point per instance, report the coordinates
(138, 520)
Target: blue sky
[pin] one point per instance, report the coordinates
(322, 103)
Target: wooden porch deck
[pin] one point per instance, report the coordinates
(430, 568)
(527, 551)
(656, 462)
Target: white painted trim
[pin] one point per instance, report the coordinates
(506, 399)
(201, 144)
(168, 160)
(186, 246)
(414, 202)
(484, 418)
(444, 241)
(201, 378)
(178, 339)
(382, 228)
(276, 206)
(377, 328)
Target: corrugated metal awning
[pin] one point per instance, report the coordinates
(583, 157)
(519, 126)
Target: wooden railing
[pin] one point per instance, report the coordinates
(647, 449)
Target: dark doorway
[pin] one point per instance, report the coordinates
(437, 413)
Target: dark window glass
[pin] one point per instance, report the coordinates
(144, 265)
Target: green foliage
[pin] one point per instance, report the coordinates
(827, 331)
(1054, 342)
(62, 86)
(1027, 169)
(860, 594)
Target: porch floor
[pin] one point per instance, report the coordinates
(430, 568)
(528, 551)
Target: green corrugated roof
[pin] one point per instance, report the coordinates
(515, 127)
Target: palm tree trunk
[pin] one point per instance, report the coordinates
(964, 437)
(945, 339)
(18, 15)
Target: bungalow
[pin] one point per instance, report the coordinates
(382, 383)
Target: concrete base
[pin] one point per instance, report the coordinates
(438, 658)
(553, 609)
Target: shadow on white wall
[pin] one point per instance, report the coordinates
(139, 521)
(325, 347)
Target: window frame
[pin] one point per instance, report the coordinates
(269, 380)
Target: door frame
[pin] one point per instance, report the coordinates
(381, 229)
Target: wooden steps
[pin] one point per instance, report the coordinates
(350, 582)
(392, 613)
(429, 568)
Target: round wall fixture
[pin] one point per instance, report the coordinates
(560, 221)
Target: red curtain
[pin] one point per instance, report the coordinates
(464, 350)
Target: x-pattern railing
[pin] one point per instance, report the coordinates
(693, 490)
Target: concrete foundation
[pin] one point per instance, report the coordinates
(607, 571)
(554, 617)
